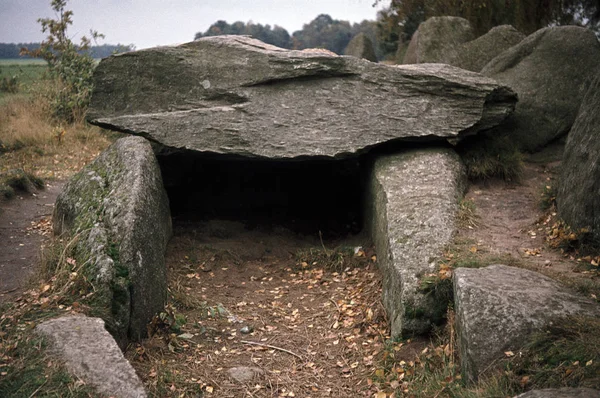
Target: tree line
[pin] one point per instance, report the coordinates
(15, 50)
(397, 23)
(321, 32)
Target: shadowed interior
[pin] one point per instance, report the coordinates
(309, 196)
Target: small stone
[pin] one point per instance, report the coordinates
(246, 329)
(244, 374)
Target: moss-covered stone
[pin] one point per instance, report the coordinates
(118, 210)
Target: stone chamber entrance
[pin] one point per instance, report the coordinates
(274, 289)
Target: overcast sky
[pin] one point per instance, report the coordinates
(147, 23)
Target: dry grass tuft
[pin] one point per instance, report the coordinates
(32, 142)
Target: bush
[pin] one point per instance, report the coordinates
(9, 84)
(70, 66)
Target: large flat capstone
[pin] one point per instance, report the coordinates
(118, 210)
(498, 306)
(90, 353)
(237, 95)
(414, 197)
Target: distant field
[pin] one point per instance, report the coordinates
(21, 61)
(27, 71)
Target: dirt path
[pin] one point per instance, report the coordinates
(24, 221)
(511, 222)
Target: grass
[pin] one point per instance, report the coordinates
(32, 142)
(491, 156)
(25, 73)
(564, 354)
(34, 148)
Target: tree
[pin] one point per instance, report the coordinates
(70, 66)
(526, 16)
(276, 35)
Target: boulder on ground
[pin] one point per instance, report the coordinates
(118, 209)
(561, 393)
(578, 196)
(438, 40)
(498, 306)
(414, 197)
(361, 47)
(475, 54)
(550, 70)
(90, 353)
(236, 95)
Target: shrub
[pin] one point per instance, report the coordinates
(70, 66)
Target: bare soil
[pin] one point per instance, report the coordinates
(24, 221)
(299, 324)
(512, 223)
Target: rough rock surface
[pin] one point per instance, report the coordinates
(438, 40)
(550, 70)
(236, 95)
(91, 353)
(474, 55)
(361, 47)
(561, 393)
(578, 196)
(244, 374)
(118, 208)
(414, 197)
(498, 306)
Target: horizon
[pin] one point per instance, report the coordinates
(152, 23)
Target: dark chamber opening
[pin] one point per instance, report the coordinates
(309, 196)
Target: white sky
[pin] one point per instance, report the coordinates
(148, 23)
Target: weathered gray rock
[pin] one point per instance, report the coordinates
(498, 306)
(236, 95)
(578, 196)
(438, 40)
(119, 210)
(561, 393)
(475, 54)
(90, 353)
(244, 374)
(414, 197)
(550, 70)
(361, 47)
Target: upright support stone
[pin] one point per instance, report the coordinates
(414, 197)
(118, 209)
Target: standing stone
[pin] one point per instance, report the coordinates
(361, 47)
(475, 54)
(414, 197)
(578, 197)
(91, 354)
(438, 40)
(498, 306)
(550, 70)
(236, 95)
(119, 211)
